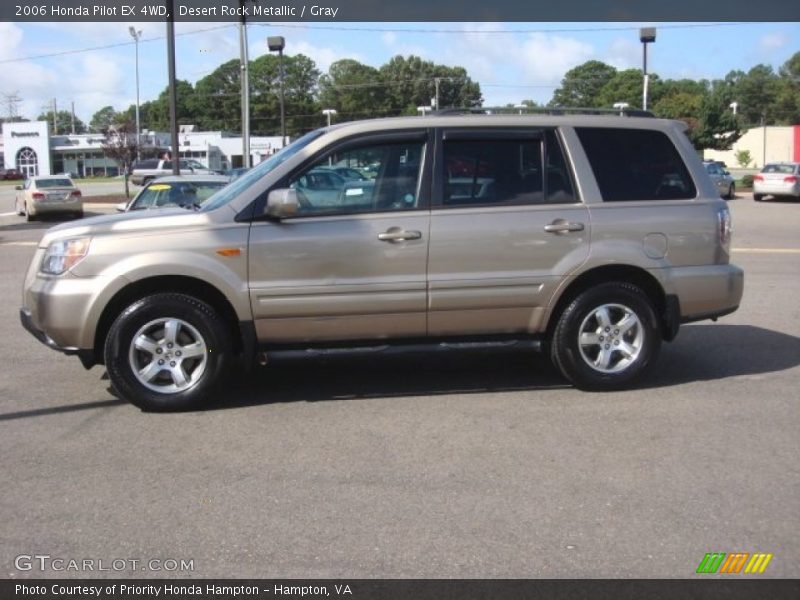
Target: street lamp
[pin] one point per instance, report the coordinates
(520, 107)
(328, 112)
(423, 110)
(136, 35)
(647, 35)
(277, 44)
(733, 106)
(621, 106)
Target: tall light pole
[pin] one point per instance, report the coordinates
(243, 59)
(647, 35)
(136, 35)
(277, 44)
(328, 112)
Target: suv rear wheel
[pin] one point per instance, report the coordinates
(607, 337)
(167, 352)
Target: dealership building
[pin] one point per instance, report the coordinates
(32, 149)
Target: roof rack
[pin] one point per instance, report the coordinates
(543, 110)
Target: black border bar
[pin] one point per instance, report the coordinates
(344, 11)
(734, 588)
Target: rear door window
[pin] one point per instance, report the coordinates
(635, 164)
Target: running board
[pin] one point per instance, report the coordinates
(395, 349)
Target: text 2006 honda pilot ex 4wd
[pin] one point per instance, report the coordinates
(594, 235)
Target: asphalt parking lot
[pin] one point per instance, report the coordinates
(479, 465)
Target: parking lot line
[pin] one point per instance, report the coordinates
(767, 250)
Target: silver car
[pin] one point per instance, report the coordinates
(777, 179)
(721, 178)
(590, 237)
(48, 194)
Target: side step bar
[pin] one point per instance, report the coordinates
(269, 355)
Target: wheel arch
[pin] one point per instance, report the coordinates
(202, 290)
(664, 305)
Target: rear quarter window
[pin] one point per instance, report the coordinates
(635, 164)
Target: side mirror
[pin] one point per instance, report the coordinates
(18, 187)
(282, 204)
(121, 206)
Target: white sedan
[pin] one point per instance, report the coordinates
(48, 194)
(777, 179)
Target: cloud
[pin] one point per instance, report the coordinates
(624, 54)
(545, 57)
(389, 38)
(773, 41)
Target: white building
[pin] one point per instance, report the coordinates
(33, 150)
(765, 145)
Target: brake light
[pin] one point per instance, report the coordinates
(37, 195)
(76, 194)
(725, 226)
(790, 179)
(758, 178)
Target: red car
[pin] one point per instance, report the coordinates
(10, 174)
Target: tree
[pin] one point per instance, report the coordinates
(353, 89)
(218, 97)
(743, 158)
(717, 127)
(411, 82)
(63, 121)
(755, 92)
(120, 146)
(154, 114)
(581, 85)
(103, 119)
(300, 84)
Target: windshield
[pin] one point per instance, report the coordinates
(260, 170)
(176, 193)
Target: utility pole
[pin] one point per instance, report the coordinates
(11, 102)
(173, 98)
(55, 117)
(436, 82)
(73, 117)
(244, 61)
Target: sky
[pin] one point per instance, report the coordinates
(93, 64)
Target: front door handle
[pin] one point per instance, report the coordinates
(398, 234)
(563, 226)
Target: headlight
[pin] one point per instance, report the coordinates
(61, 256)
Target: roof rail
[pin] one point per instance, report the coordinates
(541, 110)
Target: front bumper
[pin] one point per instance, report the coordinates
(86, 357)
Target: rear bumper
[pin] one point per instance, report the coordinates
(43, 207)
(776, 189)
(707, 292)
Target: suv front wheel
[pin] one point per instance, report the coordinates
(167, 352)
(606, 337)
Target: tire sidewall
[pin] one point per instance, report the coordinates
(159, 306)
(566, 351)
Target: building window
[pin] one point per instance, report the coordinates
(27, 162)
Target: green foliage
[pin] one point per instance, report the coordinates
(743, 158)
(581, 85)
(104, 118)
(63, 121)
(746, 181)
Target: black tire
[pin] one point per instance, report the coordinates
(758, 197)
(28, 216)
(643, 339)
(731, 192)
(19, 211)
(198, 329)
(78, 215)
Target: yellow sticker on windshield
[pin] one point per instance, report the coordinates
(159, 187)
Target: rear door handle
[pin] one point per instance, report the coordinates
(398, 234)
(563, 226)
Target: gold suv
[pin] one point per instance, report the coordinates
(593, 237)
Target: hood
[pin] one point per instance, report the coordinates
(144, 221)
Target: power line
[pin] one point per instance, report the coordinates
(107, 46)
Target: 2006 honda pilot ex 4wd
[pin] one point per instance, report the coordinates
(595, 236)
